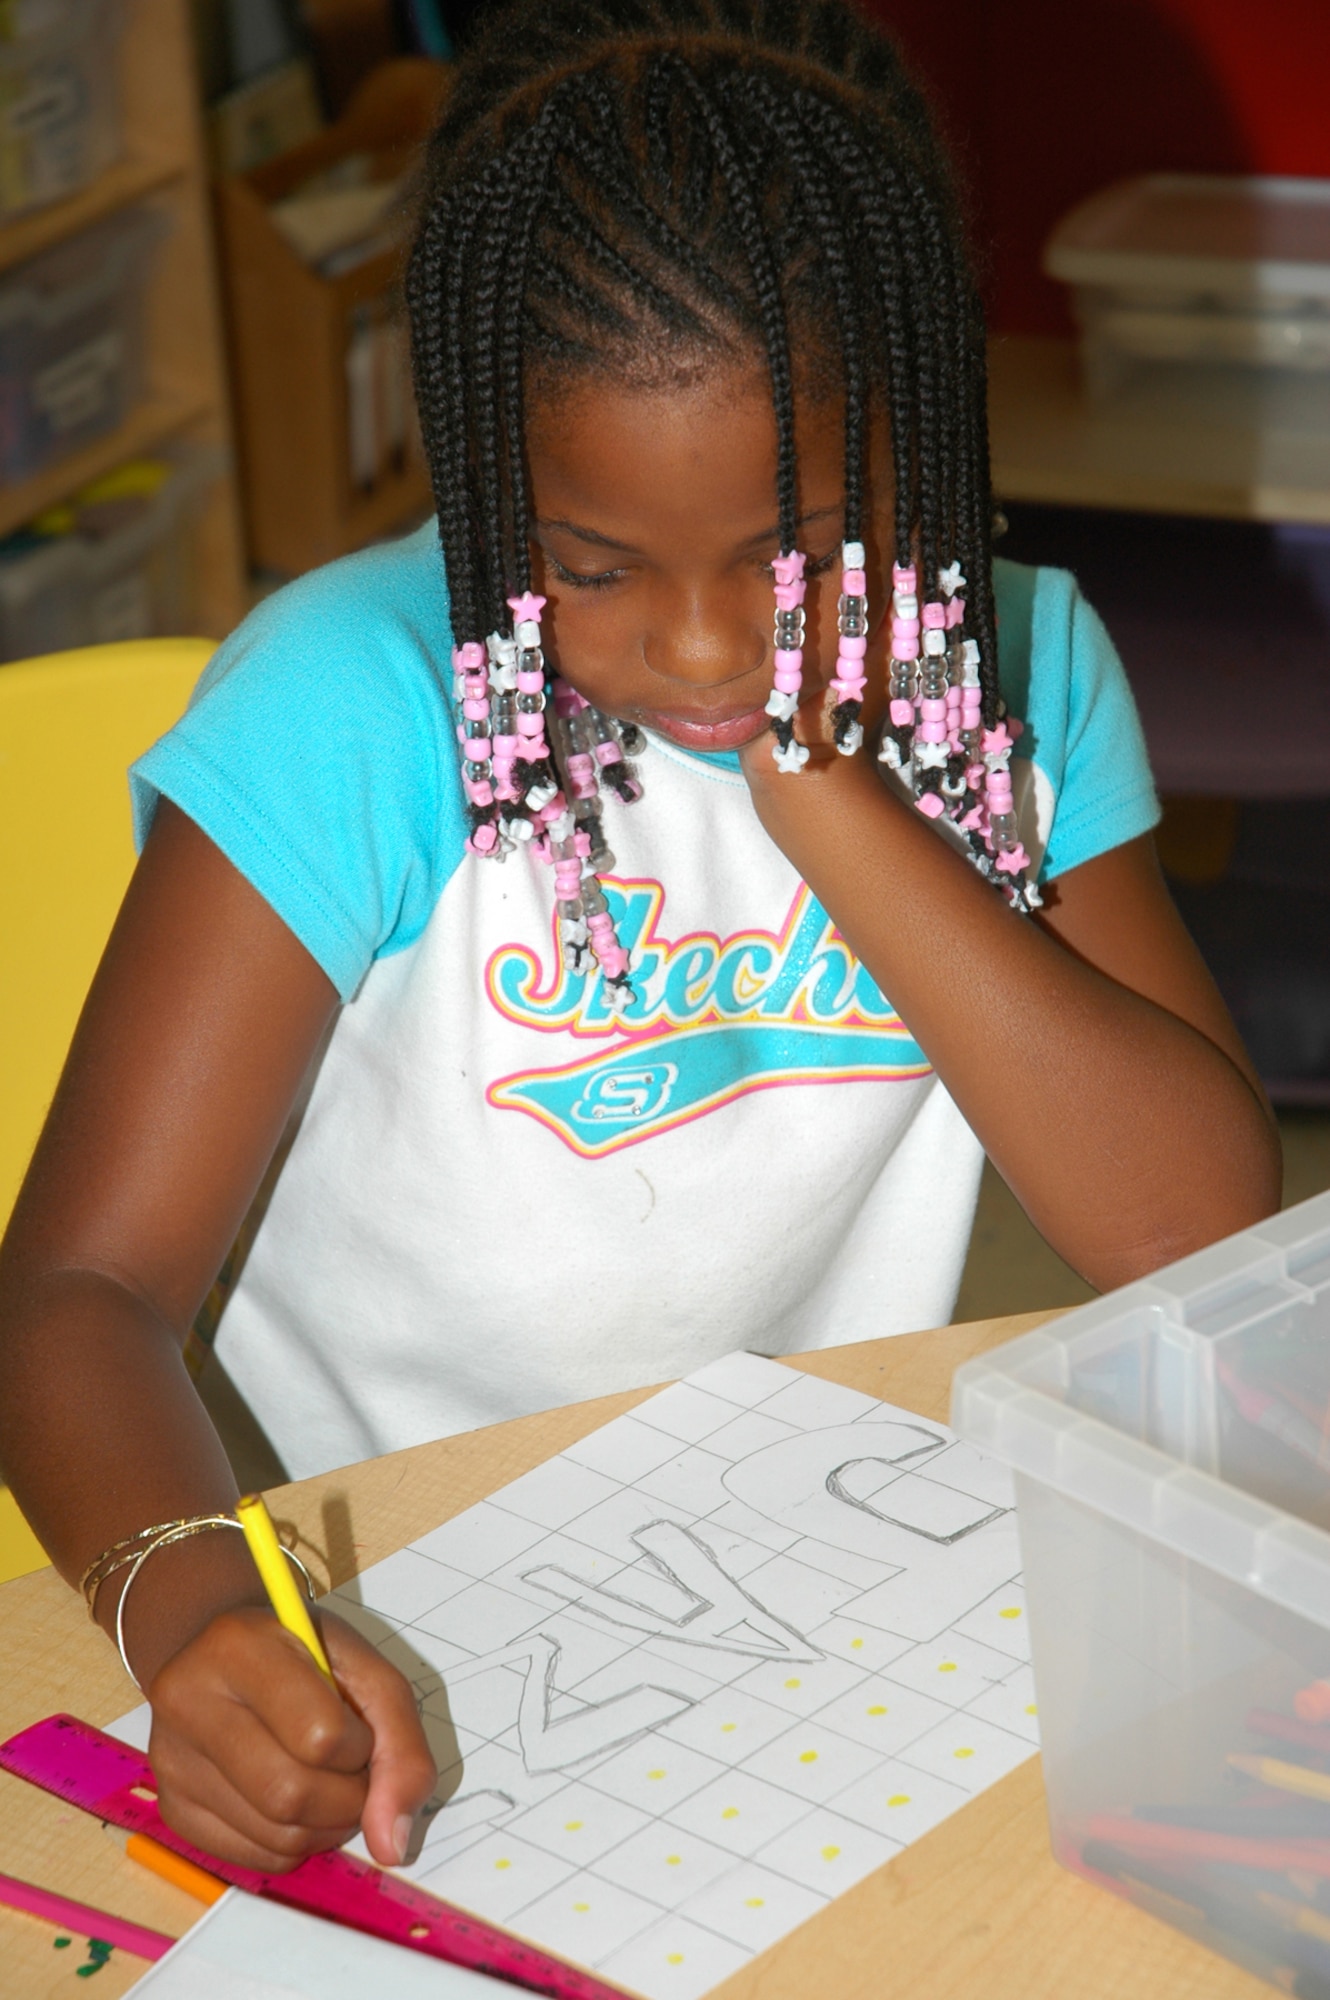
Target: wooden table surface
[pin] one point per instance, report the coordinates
(977, 1910)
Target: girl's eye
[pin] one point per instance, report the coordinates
(601, 581)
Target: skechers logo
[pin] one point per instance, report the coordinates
(711, 1019)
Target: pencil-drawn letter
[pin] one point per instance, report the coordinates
(709, 1609)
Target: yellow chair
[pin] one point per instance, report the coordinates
(70, 726)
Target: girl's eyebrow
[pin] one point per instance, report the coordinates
(599, 541)
(591, 535)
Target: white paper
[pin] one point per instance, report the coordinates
(707, 1669)
(249, 1949)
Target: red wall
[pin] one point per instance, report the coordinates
(1047, 100)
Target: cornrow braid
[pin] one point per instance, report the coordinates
(640, 186)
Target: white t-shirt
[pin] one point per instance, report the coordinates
(502, 1197)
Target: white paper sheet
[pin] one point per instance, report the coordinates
(247, 1949)
(707, 1669)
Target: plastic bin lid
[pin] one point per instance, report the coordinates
(1235, 236)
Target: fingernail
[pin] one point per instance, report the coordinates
(402, 1835)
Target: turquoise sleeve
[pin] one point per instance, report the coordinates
(317, 754)
(1107, 795)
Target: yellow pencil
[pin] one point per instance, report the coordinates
(1284, 1777)
(273, 1567)
(150, 1853)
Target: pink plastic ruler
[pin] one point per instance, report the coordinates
(106, 1777)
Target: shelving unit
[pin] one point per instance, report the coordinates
(162, 167)
(1140, 451)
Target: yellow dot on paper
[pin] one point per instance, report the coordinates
(674, 1958)
(730, 1812)
(726, 1727)
(673, 1860)
(899, 1799)
(946, 1666)
(1032, 1708)
(962, 1753)
(855, 1644)
(1010, 1611)
(878, 1708)
(581, 1906)
(794, 1683)
(572, 1826)
(830, 1853)
(808, 1756)
(503, 1864)
(655, 1774)
(754, 1902)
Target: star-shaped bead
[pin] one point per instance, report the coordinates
(789, 569)
(528, 605)
(792, 758)
(951, 579)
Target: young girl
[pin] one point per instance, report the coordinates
(700, 369)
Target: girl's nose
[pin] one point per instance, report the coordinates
(705, 641)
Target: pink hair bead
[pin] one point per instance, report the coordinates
(484, 839)
(854, 583)
(475, 748)
(608, 753)
(789, 570)
(930, 805)
(932, 732)
(567, 701)
(995, 741)
(479, 790)
(955, 612)
(933, 710)
(1013, 862)
(469, 657)
(788, 680)
(935, 617)
(788, 662)
(853, 649)
(527, 606)
(973, 821)
(902, 713)
(476, 711)
(903, 647)
(530, 681)
(903, 579)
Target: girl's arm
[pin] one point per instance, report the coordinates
(195, 1038)
(1089, 1048)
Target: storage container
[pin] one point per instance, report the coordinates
(59, 98)
(72, 341)
(133, 578)
(1213, 288)
(1172, 1471)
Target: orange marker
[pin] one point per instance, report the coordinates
(150, 1853)
(1312, 1704)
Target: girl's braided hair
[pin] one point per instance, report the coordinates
(651, 186)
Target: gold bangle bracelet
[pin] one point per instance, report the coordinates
(128, 1542)
(179, 1533)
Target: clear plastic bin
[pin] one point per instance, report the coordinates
(72, 347)
(1214, 288)
(60, 123)
(1172, 1457)
(136, 581)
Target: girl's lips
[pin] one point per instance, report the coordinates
(697, 732)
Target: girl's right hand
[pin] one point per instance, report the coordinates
(258, 1760)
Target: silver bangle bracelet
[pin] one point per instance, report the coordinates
(181, 1533)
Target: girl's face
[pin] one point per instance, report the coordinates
(654, 527)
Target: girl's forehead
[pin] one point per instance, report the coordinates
(683, 459)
